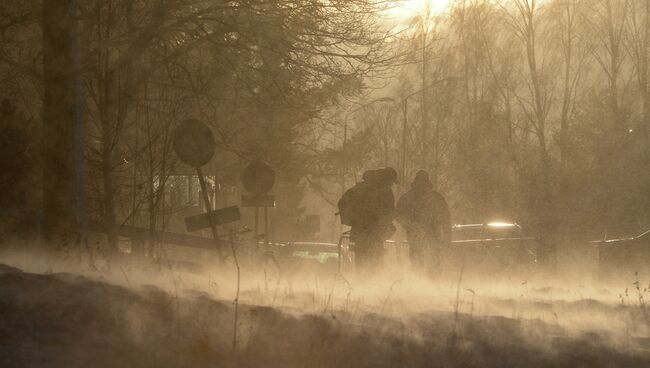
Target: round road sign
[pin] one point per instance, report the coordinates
(258, 178)
(194, 142)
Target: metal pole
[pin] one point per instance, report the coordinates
(266, 225)
(345, 120)
(404, 131)
(339, 250)
(206, 199)
(405, 121)
(215, 193)
(189, 190)
(257, 223)
(345, 131)
(272, 225)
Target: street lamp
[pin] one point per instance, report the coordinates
(405, 120)
(345, 126)
(345, 135)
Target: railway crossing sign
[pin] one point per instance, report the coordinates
(221, 216)
(194, 144)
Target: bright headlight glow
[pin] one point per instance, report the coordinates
(500, 224)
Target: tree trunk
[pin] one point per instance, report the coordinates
(108, 195)
(61, 198)
(643, 81)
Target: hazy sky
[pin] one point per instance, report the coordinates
(405, 9)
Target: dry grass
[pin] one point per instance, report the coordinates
(61, 319)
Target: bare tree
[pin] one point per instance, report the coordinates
(572, 63)
(537, 100)
(638, 43)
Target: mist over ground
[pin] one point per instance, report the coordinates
(57, 313)
(300, 183)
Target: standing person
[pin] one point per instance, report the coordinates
(424, 214)
(369, 208)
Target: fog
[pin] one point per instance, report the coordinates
(144, 315)
(457, 183)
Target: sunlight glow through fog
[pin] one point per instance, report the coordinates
(404, 10)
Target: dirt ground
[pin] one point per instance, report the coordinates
(135, 317)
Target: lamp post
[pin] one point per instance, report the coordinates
(345, 126)
(345, 134)
(405, 123)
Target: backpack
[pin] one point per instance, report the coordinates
(350, 206)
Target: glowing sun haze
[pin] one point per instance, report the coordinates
(403, 10)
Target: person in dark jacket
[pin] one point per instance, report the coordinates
(424, 214)
(369, 208)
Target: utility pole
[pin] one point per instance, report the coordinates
(424, 123)
(405, 124)
(404, 133)
(345, 140)
(345, 123)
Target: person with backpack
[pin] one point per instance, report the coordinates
(424, 214)
(368, 208)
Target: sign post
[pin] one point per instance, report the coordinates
(212, 218)
(194, 144)
(258, 178)
(206, 200)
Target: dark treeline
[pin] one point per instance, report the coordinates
(530, 111)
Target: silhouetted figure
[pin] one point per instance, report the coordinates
(424, 214)
(369, 208)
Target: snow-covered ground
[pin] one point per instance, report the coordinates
(133, 316)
